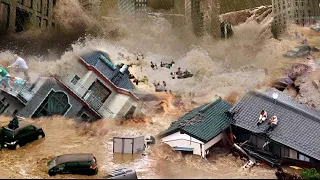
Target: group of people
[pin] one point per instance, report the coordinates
(21, 66)
(272, 123)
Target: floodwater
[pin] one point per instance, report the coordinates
(158, 161)
(219, 67)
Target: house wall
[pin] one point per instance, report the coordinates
(114, 106)
(48, 85)
(14, 103)
(183, 140)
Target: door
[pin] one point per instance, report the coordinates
(72, 168)
(128, 146)
(117, 145)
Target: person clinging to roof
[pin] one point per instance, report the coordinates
(5, 78)
(273, 122)
(21, 65)
(263, 116)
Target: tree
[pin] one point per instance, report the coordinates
(310, 174)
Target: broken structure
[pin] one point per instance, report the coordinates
(296, 136)
(93, 88)
(200, 129)
(17, 15)
(301, 11)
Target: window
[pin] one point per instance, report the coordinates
(60, 167)
(97, 94)
(75, 79)
(56, 103)
(72, 165)
(39, 6)
(303, 157)
(284, 152)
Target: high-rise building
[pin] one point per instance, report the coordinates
(204, 16)
(299, 11)
(18, 15)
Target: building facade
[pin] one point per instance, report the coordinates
(289, 140)
(90, 90)
(18, 15)
(204, 16)
(200, 129)
(302, 12)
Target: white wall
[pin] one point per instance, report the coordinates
(183, 140)
(115, 101)
(212, 142)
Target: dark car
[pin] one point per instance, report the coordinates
(82, 163)
(123, 173)
(25, 133)
(298, 51)
(184, 75)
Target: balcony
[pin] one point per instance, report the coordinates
(23, 93)
(93, 101)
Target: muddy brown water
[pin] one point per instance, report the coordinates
(158, 161)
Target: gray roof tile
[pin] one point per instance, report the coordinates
(298, 126)
(95, 59)
(204, 122)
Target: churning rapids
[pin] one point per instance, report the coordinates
(219, 68)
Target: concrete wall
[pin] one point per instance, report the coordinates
(117, 105)
(40, 13)
(287, 11)
(48, 85)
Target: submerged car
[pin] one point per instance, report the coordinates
(81, 163)
(25, 133)
(123, 173)
(298, 51)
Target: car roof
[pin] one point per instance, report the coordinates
(74, 158)
(120, 172)
(22, 124)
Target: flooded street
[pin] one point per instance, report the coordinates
(159, 161)
(220, 68)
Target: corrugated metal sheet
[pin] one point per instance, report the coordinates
(126, 7)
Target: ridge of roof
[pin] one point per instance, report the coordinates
(289, 106)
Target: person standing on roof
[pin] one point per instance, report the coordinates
(273, 122)
(262, 117)
(21, 65)
(5, 78)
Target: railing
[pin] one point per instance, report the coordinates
(93, 101)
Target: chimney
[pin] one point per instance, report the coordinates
(123, 68)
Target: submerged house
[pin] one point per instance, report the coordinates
(296, 136)
(200, 129)
(93, 88)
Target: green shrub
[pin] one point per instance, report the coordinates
(310, 174)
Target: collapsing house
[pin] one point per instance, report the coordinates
(294, 140)
(200, 129)
(93, 88)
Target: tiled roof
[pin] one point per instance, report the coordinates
(298, 126)
(102, 63)
(204, 122)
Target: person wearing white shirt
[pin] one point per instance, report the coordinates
(21, 65)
